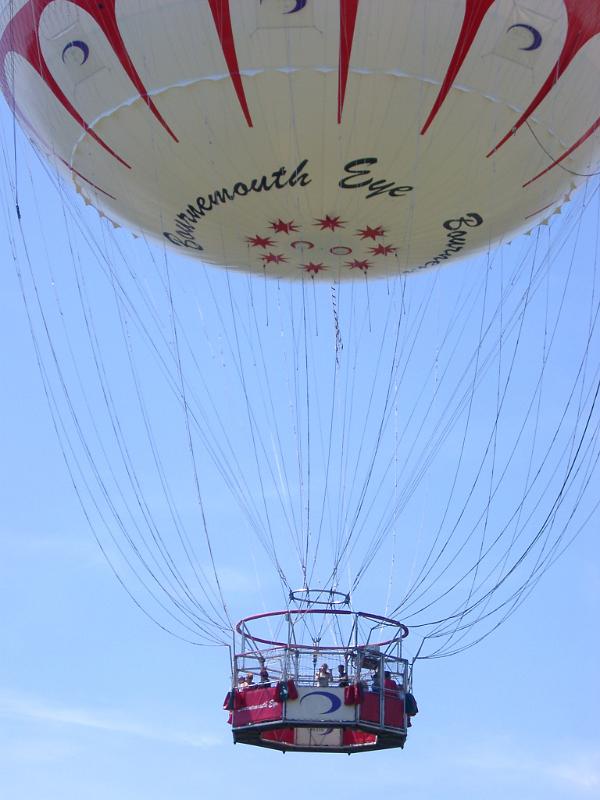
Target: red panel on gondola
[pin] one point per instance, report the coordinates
(394, 712)
(259, 705)
(369, 708)
(283, 735)
(358, 737)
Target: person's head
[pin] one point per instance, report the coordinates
(387, 674)
(341, 669)
(249, 677)
(324, 668)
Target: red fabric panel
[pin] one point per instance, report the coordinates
(353, 694)
(285, 735)
(369, 708)
(292, 691)
(394, 712)
(352, 737)
(259, 705)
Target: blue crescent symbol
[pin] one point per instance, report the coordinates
(333, 699)
(536, 35)
(85, 50)
(300, 4)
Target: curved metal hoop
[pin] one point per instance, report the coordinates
(332, 597)
(242, 626)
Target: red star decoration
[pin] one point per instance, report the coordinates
(260, 241)
(383, 250)
(371, 233)
(273, 258)
(312, 267)
(284, 227)
(357, 264)
(330, 223)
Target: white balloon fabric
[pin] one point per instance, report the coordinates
(312, 137)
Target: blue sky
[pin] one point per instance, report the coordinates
(97, 702)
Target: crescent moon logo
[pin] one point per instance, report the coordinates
(300, 4)
(536, 36)
(333, 699)
(78, 45)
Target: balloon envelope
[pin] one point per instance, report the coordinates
(323, 138)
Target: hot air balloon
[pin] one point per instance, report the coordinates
(311, 137)
(311, 148)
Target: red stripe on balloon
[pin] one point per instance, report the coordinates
(583, 23)
(105, 16)
(87, 180)
(348, 11)
(222, 19)
(21, 37)
(539, 211)
(475, 11)
(568, 152)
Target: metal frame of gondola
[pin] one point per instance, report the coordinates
(292, 657)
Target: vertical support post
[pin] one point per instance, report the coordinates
(315, 656)
(288, 649)
(231, 648)
(357, 666)
(243, 650)
(381, 691)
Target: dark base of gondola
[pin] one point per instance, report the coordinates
(386, 739)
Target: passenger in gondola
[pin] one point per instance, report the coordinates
(389, 685)
(375, 684)
(265, 681)
(323, 676)
(248, 681)
(342, 676)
